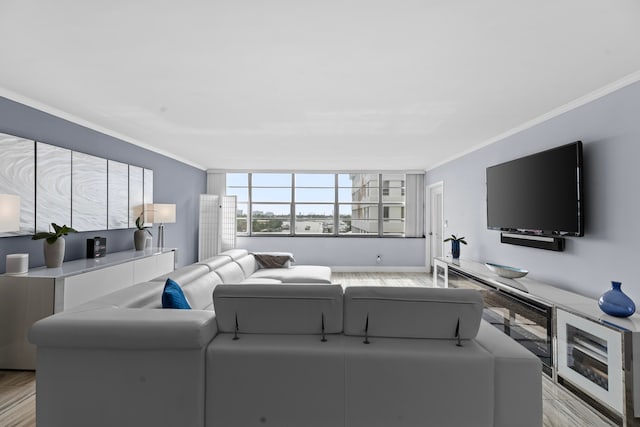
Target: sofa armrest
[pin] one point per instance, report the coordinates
(518, 381)
(126, 328)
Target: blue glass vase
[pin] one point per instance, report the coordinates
(455, 249)
(616, 303)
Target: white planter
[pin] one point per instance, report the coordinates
(54, 253)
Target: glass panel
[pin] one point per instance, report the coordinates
(241, 217)
(237, 180)
(393, 187)
(53, 186)
(148, 194)
(271, 180)
(345, 180)
(364, 219)
(344, 219)
(136, 194)
(118, 202)
(314, 219)
(88, 192)
(271, 195)
(271, 219)
(315, 194)
(587, 354)
(345, 195)
(241, 193)
(394, 227)
(315, 180)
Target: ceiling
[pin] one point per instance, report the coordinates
(313, 85)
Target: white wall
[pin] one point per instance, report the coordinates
(347, 253)
(610, 130)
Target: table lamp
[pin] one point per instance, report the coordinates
(9, 213)
(163, 214)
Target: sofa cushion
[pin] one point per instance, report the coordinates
(173, 297)
(419, 382)
(296, 274)
(279, 309)
(231, 273)
(215, 261)
(275, 380)
(406, 312)
(248, 264)
(199, 292)
(235, 254)
(184, 274)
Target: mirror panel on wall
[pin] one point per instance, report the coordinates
(53, 186)
(136, 193)
(118, 204)
(148, 193)
(71, 188)
(17, 177)
(89, 192)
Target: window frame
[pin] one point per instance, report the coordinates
(336, 203)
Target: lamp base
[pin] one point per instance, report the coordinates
(161, 236)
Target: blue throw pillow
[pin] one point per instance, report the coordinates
(172, 296)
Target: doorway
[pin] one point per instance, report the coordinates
(436, 214)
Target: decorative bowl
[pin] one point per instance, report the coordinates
(506, 271)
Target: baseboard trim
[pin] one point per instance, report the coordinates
(391, 269)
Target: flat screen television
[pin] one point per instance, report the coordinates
(539, 194)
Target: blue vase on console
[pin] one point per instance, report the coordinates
(616, 303)
(455, 249)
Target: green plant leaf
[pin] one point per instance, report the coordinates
(51, 240)
(56, 227)
(42, 235)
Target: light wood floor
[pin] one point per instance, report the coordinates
(560, 408)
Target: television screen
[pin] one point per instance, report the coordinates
(540, 193)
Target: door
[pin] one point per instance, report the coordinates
(436, 194)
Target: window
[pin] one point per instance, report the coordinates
(303, 204)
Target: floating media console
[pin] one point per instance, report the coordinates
(532, 241)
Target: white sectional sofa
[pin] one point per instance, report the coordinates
(122, 360)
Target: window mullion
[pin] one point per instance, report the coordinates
(292, 206)
(250, 213)
(380, 209)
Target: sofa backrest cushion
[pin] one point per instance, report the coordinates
(231, 273)
(215, 261)
(403, 312)
(199, 292)
(248, 264)
(234, 254)
(184, 274)
(279, 309)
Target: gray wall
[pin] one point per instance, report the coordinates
(610, 130)
(344, 252)
(174, 182)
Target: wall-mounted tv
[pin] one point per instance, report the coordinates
(539, 194)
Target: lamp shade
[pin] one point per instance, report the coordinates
(9, 213)
(164, 213)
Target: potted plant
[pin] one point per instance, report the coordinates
(140, 235)
(54, 244)
(455, 245)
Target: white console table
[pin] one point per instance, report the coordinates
(42, 292)
(594, 354)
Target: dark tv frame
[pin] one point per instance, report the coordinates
(553, 239)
